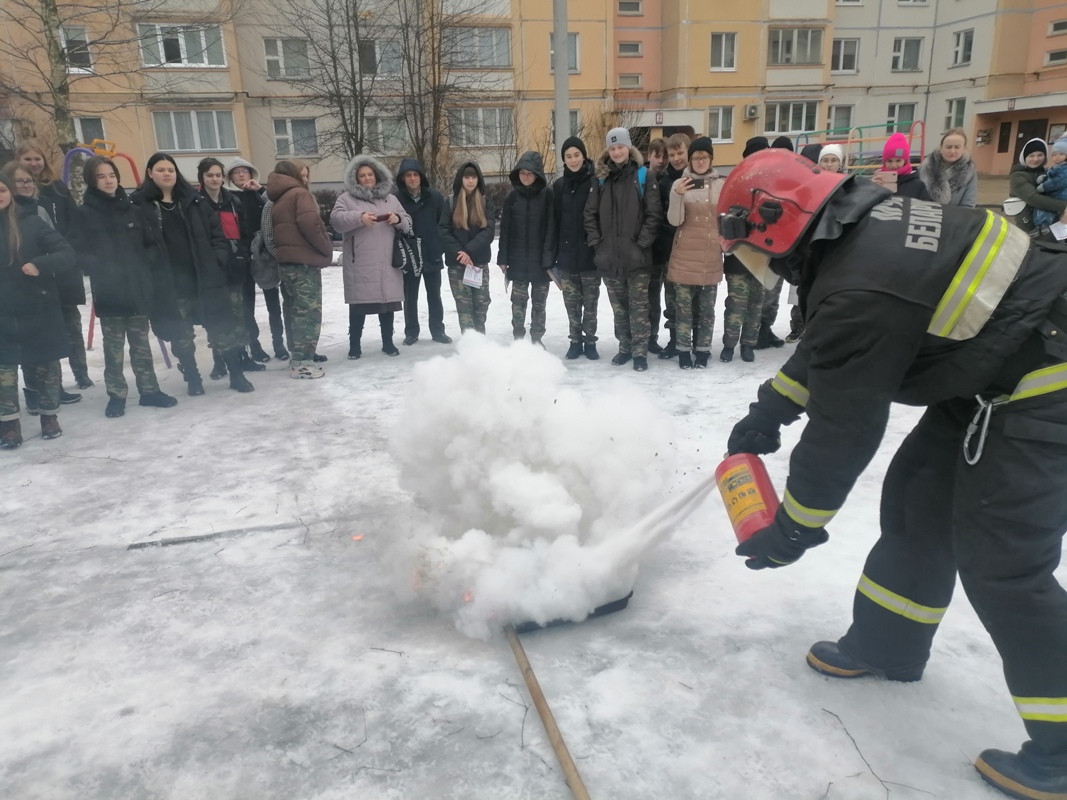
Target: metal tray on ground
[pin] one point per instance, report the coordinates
(599, 611)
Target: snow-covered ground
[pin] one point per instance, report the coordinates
(275, 661)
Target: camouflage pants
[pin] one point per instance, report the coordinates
(581, 295)
(72, 320)
(237, 307)
(472, 304)
(695, 309)
(521, 292)
(45, 377)
(771, 301)
(744, 302)
(115, 331)
(629, 305)
(302, 289)
(184, 343)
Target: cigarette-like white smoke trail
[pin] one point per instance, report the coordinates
(539, 496)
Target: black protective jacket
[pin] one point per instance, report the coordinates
(425, 213)
(527, 226)
(569, 193)
(54, 197)
(882, 326)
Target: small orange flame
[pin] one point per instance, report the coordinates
(468, 595)
(357, 538)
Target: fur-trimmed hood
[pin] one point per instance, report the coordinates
(380, 191)
(603, 164)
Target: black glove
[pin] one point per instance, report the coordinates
(757, 434)
(780, 543)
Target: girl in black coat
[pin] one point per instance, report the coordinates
(192, 288)
(117, 250)
(31, 320)
(466, 232)
(573, 256)
(527, 244)
(54, 197)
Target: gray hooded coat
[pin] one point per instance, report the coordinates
(367, 263)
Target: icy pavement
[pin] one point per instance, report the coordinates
(275, 661)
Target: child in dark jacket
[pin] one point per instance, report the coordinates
(466, 232)
(526, 248)
(574, 256)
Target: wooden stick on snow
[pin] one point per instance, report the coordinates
(570, 771)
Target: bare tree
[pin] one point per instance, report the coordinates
(51, 46)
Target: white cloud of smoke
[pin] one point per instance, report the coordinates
(537, 494)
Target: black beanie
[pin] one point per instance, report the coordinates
(574, 141)
(702, 144)
(783, 142)
(811, 152)
(1034, 146)
(754, 145)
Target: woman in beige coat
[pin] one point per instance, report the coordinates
(695, 267)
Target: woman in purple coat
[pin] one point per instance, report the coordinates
(368, 214)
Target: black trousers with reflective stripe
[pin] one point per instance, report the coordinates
(1000, 524)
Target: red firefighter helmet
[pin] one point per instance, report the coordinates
(770, 199)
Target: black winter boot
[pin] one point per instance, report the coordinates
(727, 355)
(387, 336)
(280, 352)
(258, 353)
(66, 398)
(591, 351)
(355, 333)
(653, 347)
(830, 658)
(574, 351)
(1019, 775)
(640, 364)
(116, 407)
(218, 372)
(84, 381)
(621, 358)
(238, 381)
(747, 353)
(685, 361)
(32, 402)
(187, 367)
(248, 365)
(157, 400)
(701, 359)
(766, 338)
(671, 350)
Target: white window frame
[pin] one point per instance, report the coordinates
(962, 47)
(1055, 58)
(794, 37)
(638, 49)
(913, 2)
(773, 110)
(290, 139)
(727, 36)
(1057, 27)
(279, 59)
(848, 2)
(900, 48)
(155, 31)
(467, 40)
(194, 120)
(575, 51)
(381, 46)
(830, 122)
(892, 118)
(79, 133)
(477, 122)
(956, 110)
(639, 12)
(839, 68)
(64, 36)
(721, 123)
(575, 119)
(384, 134)
(636, 80)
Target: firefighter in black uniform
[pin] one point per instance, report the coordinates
(956, 310)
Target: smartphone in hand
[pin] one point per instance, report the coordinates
(696, 183)
(383, 217)
(886, 178)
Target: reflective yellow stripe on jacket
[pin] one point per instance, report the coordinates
(1042, 709)
(808, 517)
(981, 280)
(794, 390)
(898, 604)
(1041, 381)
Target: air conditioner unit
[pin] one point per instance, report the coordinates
(752, 112)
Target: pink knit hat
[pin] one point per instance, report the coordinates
(897, 147)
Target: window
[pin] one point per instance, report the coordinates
(630, 81)
(181, 46)
(912, 2)
(572, 52)
(721, 123)
(848, 2)
(1055, 58)
(1057, 27)
(286, 58)
(629, 49)
(573, 116)
(962, 42)
(385, 134)
(630, 8)
(839, 121)
(796, 46)
(194, 131)
(479, 47)
(844, 57)
(380, 57)
(88, 128)
(76, 49)
(791, 117)
(723, 51)
(1004, 137)
(295, 137)
(906, 54)
(899, 117)
(954, 115)
(482, 127)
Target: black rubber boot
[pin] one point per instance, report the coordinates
(1018, 775)
(238, 381)
(640, 364)
(116, 407)
(830, 658)
(621, 358)
(257, 351)
(575, 350)
(701, 359)
(591, 351)
(187, 367)
(727, 355)
(747, 353)
(685, 361)
(248, 365)
(218, 372)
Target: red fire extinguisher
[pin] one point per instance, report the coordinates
(748, 494)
